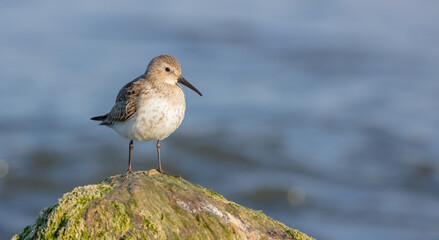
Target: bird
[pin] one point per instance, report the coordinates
(150, 107)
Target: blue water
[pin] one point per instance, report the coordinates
(323, 115)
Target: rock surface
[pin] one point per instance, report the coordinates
(150, 205)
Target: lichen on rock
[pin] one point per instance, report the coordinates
(150, 205)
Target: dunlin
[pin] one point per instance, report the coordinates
(150, 107)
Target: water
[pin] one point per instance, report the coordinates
(323, 115)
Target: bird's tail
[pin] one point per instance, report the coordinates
(99, 118)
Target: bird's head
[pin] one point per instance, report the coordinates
(166, 69)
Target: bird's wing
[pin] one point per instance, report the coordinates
(126, 103)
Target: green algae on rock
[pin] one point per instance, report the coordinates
(149, 205)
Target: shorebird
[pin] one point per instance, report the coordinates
(150, 107)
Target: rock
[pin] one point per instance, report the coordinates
(150, 205)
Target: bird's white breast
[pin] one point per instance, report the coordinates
(157, 116)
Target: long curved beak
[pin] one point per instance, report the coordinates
(187, 84)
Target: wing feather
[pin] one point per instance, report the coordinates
(126, 103)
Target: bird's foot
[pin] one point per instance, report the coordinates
(163, 172)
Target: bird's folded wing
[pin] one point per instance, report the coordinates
(126, 103)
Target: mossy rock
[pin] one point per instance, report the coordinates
(150, 205)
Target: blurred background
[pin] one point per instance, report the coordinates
(324, 115)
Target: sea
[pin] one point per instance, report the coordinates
(322, 114)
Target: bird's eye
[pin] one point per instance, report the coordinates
(167, 69)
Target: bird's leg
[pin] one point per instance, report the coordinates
(129, 156)
(158, 154)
